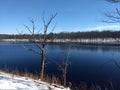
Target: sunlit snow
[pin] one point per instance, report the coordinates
(8, 81)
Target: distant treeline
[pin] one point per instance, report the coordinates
(88, 35)
(68, 35)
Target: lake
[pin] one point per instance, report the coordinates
(89, 63)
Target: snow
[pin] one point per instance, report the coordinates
(94, 40)
(9, 81)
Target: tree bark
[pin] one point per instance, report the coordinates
(42, 62)
(64, 75)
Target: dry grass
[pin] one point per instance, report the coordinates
(85, 86)
(56, 81)
(17, 73)
(52, 79)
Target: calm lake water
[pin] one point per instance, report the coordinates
(90, 63)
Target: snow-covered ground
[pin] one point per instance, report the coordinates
(9, 81)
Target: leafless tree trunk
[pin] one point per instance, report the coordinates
(42, 62)
(64, 69)
(64, 66)
(46, 25)
(41, 48)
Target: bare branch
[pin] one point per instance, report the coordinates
(21, 33)
(59, 65)
(53, 28)
(113, 17)
(39, 46)
(28, 29)
(32, 50)
(43, 19)
(46, 25)
(51, 18)
(69, 52)
(113, 1)
(33, 26)
(118, 11)
(116, 63)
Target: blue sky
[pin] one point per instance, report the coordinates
(73, 15)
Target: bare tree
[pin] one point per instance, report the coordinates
(40, 47)
(113, 1)
(113, 16)
(46, 26)
(64, 66)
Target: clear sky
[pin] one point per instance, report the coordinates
(73, 15)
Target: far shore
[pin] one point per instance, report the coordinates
(110, 41)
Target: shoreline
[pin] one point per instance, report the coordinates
(97, 41)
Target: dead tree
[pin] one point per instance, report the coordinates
(41, 47)
(113, 16)
(46, 26)
(64, 66)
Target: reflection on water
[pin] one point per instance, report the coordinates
(91, 63)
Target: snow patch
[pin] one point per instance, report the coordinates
(8, 81)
